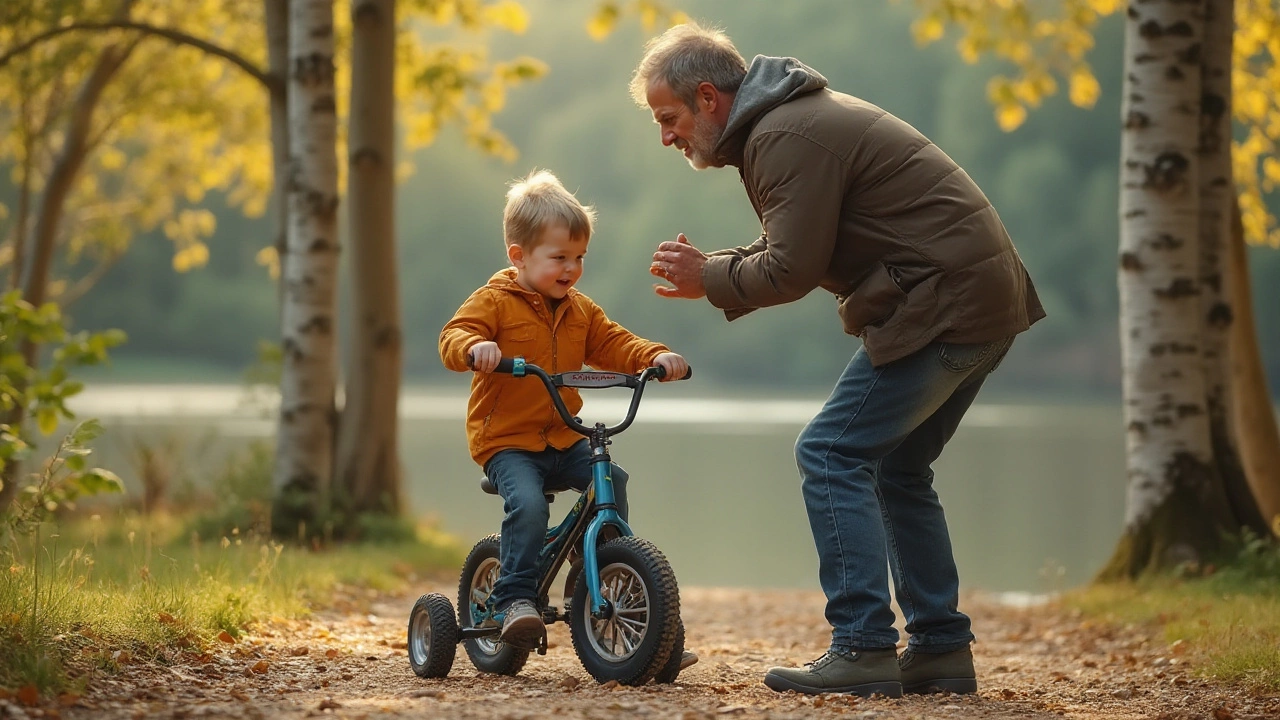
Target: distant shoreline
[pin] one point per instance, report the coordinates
(160, 401)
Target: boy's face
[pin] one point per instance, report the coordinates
(553, 265)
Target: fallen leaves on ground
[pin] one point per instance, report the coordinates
(350, 661)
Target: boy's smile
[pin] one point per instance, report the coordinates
(553, 265)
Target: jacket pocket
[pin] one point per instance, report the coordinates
(575, 331)
(871, 301)
(519, 339)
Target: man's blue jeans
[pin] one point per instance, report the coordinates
(522, 477)
(868, 488)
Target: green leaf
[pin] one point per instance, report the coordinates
(47, 420)
(86, 431)
(99, 480)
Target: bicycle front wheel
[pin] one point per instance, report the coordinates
(634, 640)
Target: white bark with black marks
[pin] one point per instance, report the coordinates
(1217, 203)
(1168, 447)
(304, 452)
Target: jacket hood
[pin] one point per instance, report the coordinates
(770, 82)
(505, 279)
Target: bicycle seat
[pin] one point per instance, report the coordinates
(487, 485)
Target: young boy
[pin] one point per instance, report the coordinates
(532, 309)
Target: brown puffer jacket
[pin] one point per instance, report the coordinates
(856, 201)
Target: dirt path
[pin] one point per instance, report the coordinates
(351, 663)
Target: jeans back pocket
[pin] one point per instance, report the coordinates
(962, 357)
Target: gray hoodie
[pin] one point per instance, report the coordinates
(770, 81)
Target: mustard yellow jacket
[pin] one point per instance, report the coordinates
(507, 412)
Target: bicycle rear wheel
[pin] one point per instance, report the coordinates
(479, 575)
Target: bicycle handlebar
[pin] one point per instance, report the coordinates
(550, 382)
(506, 365)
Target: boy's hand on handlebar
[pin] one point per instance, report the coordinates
(674, 364)
(484, 356)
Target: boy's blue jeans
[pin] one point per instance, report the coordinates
(522, 477)
(868, 488)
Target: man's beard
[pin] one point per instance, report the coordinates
(706, 134)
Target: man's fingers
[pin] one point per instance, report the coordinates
(666, 291)
(682, 239)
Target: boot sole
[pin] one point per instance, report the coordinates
(524, 633)
(957, 686)
(888, 689)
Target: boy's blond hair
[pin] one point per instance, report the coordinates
(539, 201)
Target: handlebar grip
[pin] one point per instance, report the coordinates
(662, 373)
(505, 365)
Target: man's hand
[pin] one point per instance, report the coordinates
(675, 365)
(680, 264)
(484, 356)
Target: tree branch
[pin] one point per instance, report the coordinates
(176, 36)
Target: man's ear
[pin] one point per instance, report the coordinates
(515, 254)
(707, 97)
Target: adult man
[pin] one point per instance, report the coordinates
(857, 202)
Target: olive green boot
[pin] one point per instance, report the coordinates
(938, 672)
(856, 673)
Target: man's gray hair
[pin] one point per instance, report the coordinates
(686, 56)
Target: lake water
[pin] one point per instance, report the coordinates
(1033, 493)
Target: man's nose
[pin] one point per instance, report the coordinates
(668, 137)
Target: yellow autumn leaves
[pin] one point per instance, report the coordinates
(1042, 48)
(651, 14)
(1038, 47)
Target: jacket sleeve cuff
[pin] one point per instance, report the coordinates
(720, 291)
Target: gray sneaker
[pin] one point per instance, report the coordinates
(688, 658)
(522, 625)
(863, 673)
(938, 672)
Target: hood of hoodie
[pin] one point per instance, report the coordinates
(770, 82)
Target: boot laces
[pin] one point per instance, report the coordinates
(827, 658)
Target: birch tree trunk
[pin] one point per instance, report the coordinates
(1217, 195)
(304, 449)
(1253, 416)
(368, 464)
(276, 18)
(1172, 509)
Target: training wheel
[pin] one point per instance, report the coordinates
(433, 636)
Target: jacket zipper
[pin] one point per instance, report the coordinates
(546, 429)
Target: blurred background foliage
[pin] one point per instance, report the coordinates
(1053, 180)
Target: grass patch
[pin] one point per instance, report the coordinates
(1228, 619)
(80, 597)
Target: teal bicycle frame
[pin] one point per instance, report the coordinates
(597, 507)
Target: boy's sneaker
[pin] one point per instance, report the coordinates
(938, 672)
(687, 658)
(522, 625)
(864, 672)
